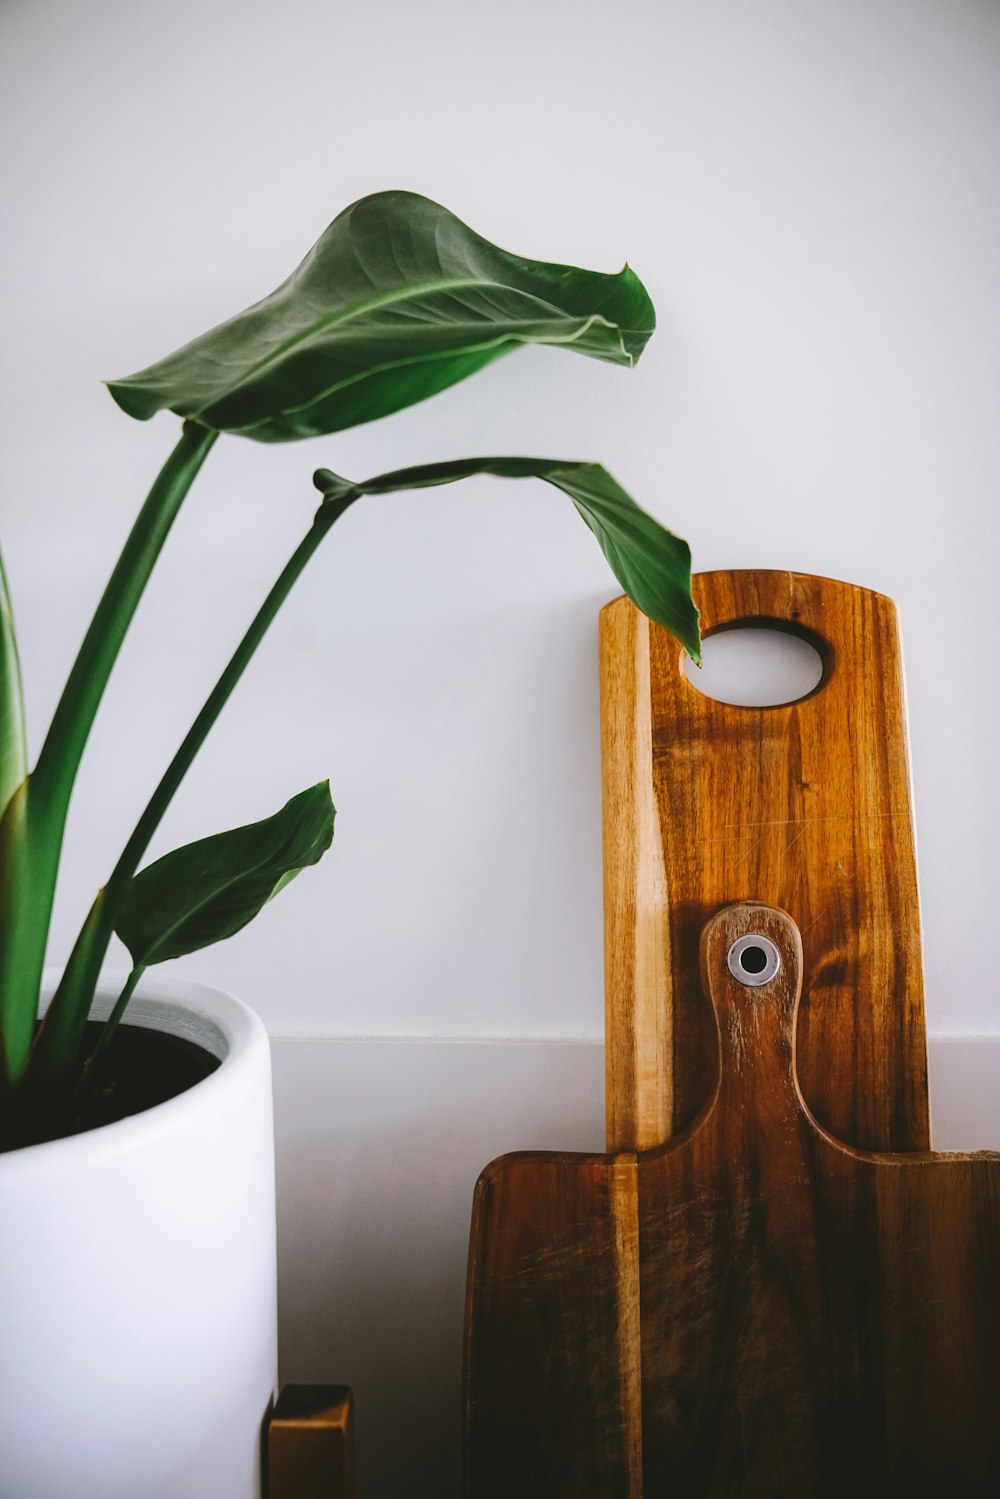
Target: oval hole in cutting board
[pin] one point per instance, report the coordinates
(752, 666)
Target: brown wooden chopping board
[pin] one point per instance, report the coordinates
(805, 806)
(753, 1310)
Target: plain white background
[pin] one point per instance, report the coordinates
(809, 189)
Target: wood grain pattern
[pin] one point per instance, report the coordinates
(640, 1107)
(814, 1320)
(310, 1443)
(805, 806)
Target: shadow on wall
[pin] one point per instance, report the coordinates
(379, 1147)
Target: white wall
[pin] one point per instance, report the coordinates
(809, 189)
(810, 192)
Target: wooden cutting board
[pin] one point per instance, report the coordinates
(805, 806)
(753, 1310)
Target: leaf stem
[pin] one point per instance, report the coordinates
(31, 833)
(62, 750)
(62, 1031)
(90, 1068)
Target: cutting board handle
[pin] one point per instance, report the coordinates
(751, 970)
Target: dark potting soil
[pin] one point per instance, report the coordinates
(140, 1068)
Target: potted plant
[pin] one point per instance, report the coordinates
(136, 1173)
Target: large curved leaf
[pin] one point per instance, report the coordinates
(396, 301)
(209, 890)
(651, 564)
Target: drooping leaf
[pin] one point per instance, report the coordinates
(396, 301)
(211, 889)
(652, 565)
(13, 752)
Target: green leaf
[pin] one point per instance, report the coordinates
(13, 751)
(211, 889)
(396, 301)
(651, 564)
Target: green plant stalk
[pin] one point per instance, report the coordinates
(61, 1034)
(92, 1065)
(31, 832)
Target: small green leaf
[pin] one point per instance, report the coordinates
(651, 564)
(211, 889)
(396, 301)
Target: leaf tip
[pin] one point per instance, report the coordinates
(119, 392)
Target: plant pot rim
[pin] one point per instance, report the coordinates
(212, 1019)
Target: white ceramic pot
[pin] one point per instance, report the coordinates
(138, 1343)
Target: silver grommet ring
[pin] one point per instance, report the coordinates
(753, 959)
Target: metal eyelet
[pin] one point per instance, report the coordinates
(753, 960)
